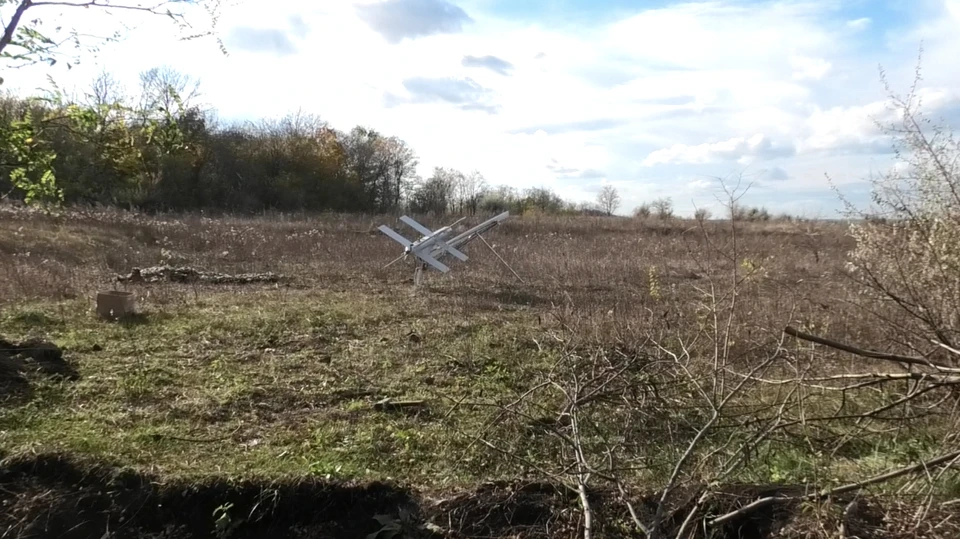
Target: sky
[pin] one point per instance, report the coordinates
(658, 98)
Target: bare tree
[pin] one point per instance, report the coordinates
(608, 199)
(663, 208)
(469, 190)
(105, 91)
(165, 88)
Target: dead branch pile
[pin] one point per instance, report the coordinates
(183, 274)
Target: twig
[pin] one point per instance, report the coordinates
(693, 512)
(873, 377)
(522, 460)
(633, 512)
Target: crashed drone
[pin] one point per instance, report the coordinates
(434, 245)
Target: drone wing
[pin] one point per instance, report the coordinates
(394, 236)
(416, 226)
(426, 257)
(443, 247)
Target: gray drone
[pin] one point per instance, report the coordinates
(433, 245)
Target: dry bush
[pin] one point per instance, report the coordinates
(704, 386)
(908, 246)
(642, 211)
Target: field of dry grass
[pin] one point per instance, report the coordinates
(286, 381)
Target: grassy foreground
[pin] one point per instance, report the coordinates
(275, 383)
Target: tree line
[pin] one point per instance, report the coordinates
(160, 149)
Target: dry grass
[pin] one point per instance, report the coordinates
(592, 264)
(282, 380)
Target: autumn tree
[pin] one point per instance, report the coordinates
(542, 199)
(435, 195)
(382, 167)
(157, 148)
(400, 163)
(30, 38)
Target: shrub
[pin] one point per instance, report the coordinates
(642, 211)
(663, 208)
(907, 250)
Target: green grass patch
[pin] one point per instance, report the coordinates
(271, 385)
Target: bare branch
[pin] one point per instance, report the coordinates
(869, 353)
(11, 27)
(102, 4)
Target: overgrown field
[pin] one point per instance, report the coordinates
(634, 356)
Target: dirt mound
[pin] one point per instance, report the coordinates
(17, 360)
(183, 274)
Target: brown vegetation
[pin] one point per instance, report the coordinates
(650, 307)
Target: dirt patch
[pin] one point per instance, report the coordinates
(183, 274)
(19, 360)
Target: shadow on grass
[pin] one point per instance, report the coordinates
(55, 495)
(15, 390)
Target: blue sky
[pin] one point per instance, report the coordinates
(656, 98)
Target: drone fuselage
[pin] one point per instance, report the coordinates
(423, 242)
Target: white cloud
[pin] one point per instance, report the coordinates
(855, 129)
(809, 68)
(700, 185)
(859, 24)
(740, 149)
(652, 101)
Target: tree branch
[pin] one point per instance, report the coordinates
(869, 353)
(96, 3)
(12, 25)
